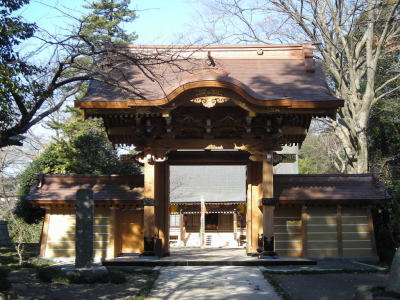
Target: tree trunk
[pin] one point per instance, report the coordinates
(359, 162)
(355, 147)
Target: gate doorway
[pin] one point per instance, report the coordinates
(207, 204)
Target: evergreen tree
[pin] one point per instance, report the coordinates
(82, 148)
(93, 50)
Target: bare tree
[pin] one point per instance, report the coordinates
(94, 48)
(354, 36)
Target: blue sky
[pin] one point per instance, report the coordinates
(158, 22)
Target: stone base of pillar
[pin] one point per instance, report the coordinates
(148, 246)
(268, 246)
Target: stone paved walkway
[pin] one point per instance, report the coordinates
(212, 283)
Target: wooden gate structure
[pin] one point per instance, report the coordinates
(252, 99)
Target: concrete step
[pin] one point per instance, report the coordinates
(155, 261)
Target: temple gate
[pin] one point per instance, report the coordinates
(252, 99)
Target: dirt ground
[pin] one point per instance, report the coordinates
(25, 285)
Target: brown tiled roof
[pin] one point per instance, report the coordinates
(288, 189)
(261, 79)
(335, 188)
(273, 78)
(105, 187)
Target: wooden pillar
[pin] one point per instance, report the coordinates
(181, 228)
(202, 223)
(268, 204)
(235, 235)
(253, 212)
(304, 234)
(148, 210)
(161, 205)
(339, 229)
(44, 235)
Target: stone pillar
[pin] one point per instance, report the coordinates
(148, 209)
(268, 204)
(84, 228)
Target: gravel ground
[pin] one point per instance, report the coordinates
(328, 286)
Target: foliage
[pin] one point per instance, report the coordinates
(13, 68)
(56, 275)
(83, 148)
(9, 256)
(4, 283)
(103, 24)
(92, 50)
(384, 144)
(22, 233)
(317, 153)
(145, 290)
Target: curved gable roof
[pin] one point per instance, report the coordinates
(281, 76)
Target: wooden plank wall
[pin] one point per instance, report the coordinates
(287, 231)
(357, 238)
(324, 232)
(61, 234)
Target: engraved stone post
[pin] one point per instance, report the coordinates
(393, 284)
(84, 229)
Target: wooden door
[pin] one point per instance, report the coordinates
(131, 231)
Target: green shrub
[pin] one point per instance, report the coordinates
(48, 274)
(55, 275)
(115, 276)
(4, 283)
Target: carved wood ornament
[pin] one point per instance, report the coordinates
(209, 97)
(210, 101)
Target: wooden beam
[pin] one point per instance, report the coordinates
(208, 144)
(101, 104)
(45, 234)
(208, 157)
(101, 203)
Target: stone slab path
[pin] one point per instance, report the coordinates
(212, 282)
